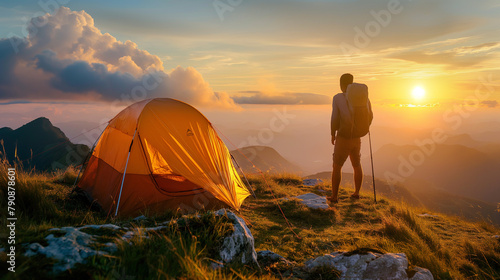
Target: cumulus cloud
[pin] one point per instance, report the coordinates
(66, 57)
(289, 98)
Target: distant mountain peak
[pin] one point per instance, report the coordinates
(39, 122)
(40, 143)
(43, 126)
(264, 158)
(41, 119)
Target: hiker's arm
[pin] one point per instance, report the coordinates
(335, 121)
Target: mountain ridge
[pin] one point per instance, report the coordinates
(456, 168)
(265, 158)
(38, 144)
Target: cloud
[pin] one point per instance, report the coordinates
(289, 98)
(301, 23)
(490, 103)
(66, 57)
(478, 48)
(458, 57)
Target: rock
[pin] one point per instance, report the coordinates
(314, 201)
(143, 233)
(267, 256)
(270, 255)
(311, 182)
(75, 246)
(240, 244)
(270, 261)
(112, 247)
(387, 266)
(216, 265)
(106, 226)
(140, 218)
(368, 266)
(68, 250)
(422, 274)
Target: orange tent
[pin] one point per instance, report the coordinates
(161, 154)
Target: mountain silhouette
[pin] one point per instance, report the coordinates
(40, 145)
(457, 169)
(264, 158)
(464, 140)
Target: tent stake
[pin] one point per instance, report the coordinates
(124, 172)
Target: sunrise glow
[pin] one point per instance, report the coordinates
(418, 93)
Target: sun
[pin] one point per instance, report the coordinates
(418, 93)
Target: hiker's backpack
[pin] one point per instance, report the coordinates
(357, 99)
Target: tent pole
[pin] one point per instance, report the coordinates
(124, 172)
(88, 156)
(249, 186)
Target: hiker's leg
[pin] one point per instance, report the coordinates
(355, 157)
(358, 179)
(340, 154)
(336, 178)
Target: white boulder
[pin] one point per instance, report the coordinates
(313, 201)
(68, 250)
(240, 244)
(369, 266)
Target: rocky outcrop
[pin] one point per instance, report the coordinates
(72, 245)
(369, 265)
(239, 246)
(361, 264)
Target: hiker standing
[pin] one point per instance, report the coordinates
(349, 123)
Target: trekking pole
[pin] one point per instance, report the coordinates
(373, 173)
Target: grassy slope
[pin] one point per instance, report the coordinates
(419, 193)
(449, 247)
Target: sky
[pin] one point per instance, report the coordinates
(243, 63)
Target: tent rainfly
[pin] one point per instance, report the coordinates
(160, 154)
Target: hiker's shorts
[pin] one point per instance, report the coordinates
(344, 148)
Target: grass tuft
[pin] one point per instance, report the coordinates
(66, 177)
(287, 179)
